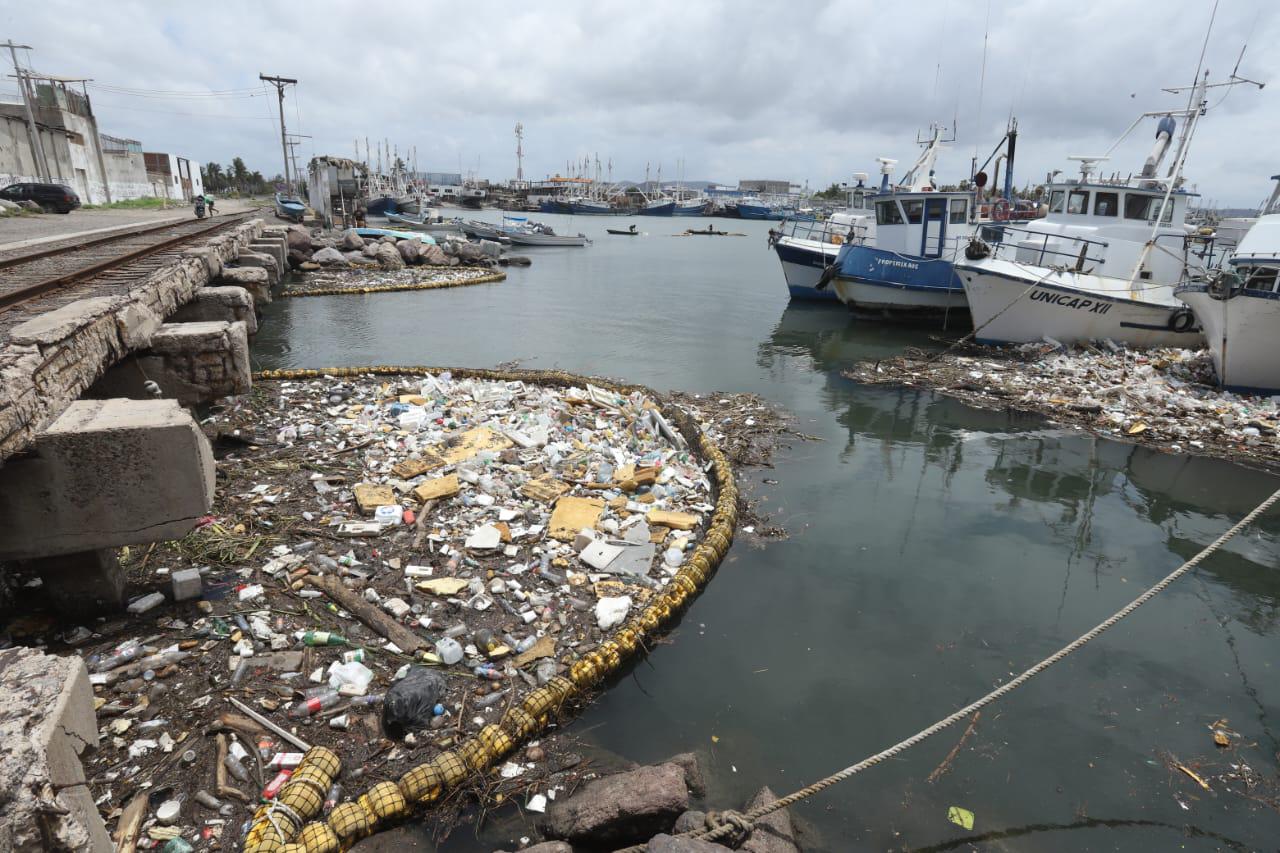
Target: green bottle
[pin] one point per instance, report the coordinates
(323, 638)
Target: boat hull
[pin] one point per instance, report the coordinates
(870, 279)
(664, 209)
(755, 211)
(1014, 303)
(1241, 334)
(546, 240)
(581, 208)
(802, 264)
(380, 206)
(690, 210)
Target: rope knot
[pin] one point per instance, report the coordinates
(729, 826)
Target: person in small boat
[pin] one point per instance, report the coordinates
(633, 229)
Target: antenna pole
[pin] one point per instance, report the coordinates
(280, 83)
(33, 130)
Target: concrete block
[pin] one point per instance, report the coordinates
(106, 473)
(186, 584)
(137, 323)
(82, 584)
(46, 723)
(231, 304)
(276, 247)
(211, 260)
(252, 279)
(55, 326)
(200, 362)
(261, 260)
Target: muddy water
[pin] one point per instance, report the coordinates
(934, 551)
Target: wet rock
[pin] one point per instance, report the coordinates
(547, 847)
(327, 257)
(620, 809)
(690, 821)
(773, 833)
(299, 240)
(297, 258)
(688, 761)
(670, 844)
(515, 261)
(433, 255)
(350, 240)
(388, 257)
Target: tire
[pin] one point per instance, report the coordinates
(1182, 320)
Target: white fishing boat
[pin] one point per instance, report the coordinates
(522, 232)
(806, 248)
(1104, 262)
(1239, 308)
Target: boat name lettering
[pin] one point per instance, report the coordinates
(895, 262)
(1068, 301)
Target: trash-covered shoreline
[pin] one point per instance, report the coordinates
(334, 281)
(1163, 398)
(391, 563)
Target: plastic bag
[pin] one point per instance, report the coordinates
(408, 704)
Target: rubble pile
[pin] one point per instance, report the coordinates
(1166, 398)
(336, 280)
(312, 250)
(391, 564)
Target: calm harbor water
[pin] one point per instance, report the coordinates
(934, 551)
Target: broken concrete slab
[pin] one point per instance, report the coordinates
(106, 473)
(82, 584)
(46, 722)
(252, 279)
(228, 303)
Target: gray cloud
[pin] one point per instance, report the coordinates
(802, 90)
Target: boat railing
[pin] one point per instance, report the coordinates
(824, 232)
(1009, 240)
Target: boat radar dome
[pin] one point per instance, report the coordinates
(886, 169)
(860, 177)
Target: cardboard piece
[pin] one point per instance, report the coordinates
(573, 514)
(443, 586)
(545, 489)
(678, 520)
(471, 442)
(436, 488)
(370, 496)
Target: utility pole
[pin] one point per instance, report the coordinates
(519, 151)
(280, 83)
(33, 132)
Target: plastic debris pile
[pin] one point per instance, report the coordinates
(338, 279)
(1164, 397)
(392, 564)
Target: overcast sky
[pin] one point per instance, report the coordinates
(804, 91)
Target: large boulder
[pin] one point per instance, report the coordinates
(621, 809)
(434, 255)
(299, 240)
(410, 251)
(692, 772)
(297, 258)
(350, 240)
(773, 833)
(388, 257)
(329, 257)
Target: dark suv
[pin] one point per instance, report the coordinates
(56, 197)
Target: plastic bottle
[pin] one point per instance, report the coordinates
(236, 754)
(326, 699)
(323, 638)
(119, 656)
(489, 672)
(274, 786)
(449, 650)
(354, 656)
(331, 799)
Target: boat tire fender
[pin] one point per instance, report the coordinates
(1182, 320)
(828, 273)
(977, 249)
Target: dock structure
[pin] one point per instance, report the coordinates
(104, 339)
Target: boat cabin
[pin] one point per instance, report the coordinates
(1108, 224)
(1257, 260)
(923, 224)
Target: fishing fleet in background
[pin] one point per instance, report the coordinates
(1124, 259)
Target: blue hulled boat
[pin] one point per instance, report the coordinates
(381, 205)
(692, 207)
(289, 208)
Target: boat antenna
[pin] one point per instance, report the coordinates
(519, 151)
(982, 82)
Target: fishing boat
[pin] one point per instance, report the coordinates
(1239, 308)
(1105, 260)
(631, 232)
(289, 208)
(907, 270)
(806, 249)
(754, 207)
(483, 230)
(591, 207)
(433, 225)
(691, 207)
(709, 231)
(658, 207)
(375, 233)
(522, 232)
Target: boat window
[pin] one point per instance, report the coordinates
(1137, 206)
(887, 213)
(1078, 202)
(1056, 200)
(1262, 278)
(1106, 204)
(914, 210)
(959, 210)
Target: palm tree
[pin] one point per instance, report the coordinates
(239, 172)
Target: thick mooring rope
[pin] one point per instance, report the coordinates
(728, 828)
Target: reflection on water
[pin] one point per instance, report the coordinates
(934, 550)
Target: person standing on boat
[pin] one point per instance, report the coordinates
(633, 229)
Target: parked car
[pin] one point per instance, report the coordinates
(56, 197)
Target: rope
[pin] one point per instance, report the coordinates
(726, 829)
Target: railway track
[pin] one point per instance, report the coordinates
(127, 254)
